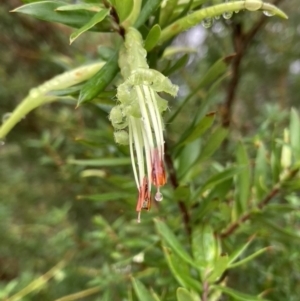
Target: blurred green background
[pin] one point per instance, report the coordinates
(50, 210)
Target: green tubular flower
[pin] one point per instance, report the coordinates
(140, 110)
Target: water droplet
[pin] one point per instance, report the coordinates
(217, 17)
(207, 22)
(227, 15)
(268, 13)
(158, 196)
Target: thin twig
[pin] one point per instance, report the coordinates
(241, 44)
(205, 291)
(247, 215)
(174, 182)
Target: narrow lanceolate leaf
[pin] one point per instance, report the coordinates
(81, 294)
(212, 144)
(171, 240)
(196, 17)
(261, 172)
(237, 295)
(204, 247)
(152, 37)
(104, 197)
(49, 11)
(179, 64)
(183, 294)
(294, 134)
(134, 13)
(166, 12)
(124, 8)
(240, 250)
(82, 6)
(38, 283)
(216, 180)
(196, 131)
(99, 16)
(141, 291)
(148, 9)
(243, 178)
(215, 72)
(181, 271)
(44, 93)
(100, 80)
(220, 265)
(248, 258)
(101, 162)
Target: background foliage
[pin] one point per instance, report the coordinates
(67, 193)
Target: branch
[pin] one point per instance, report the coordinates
(247, 215)
(205, 291)
(241, 42)
(175, 184)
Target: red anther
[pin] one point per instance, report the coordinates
(158, 170)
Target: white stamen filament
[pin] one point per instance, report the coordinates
(148, 159)
(132, 151)
(138, 141)
(145, 116)
(154, 117)
(159, 124)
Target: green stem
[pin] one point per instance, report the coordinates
(209, 12)
(42, 94)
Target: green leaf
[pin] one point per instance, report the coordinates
(152, 37)
(216, 180)
(275, 162)
(215, 71)
(212, 144)
(196, 17)
(82, 6)
(167, 11)
(104, 197)
(168, 236)
(248, 258)
(123, 7)
(44, 93)
(99, 17)
(239, 251)
(179, 64)
(196, 131)
(148, 9)
(243, 178)
(237, 295)
(101, 162)
(261, 172)
(184, 295)
(100, 80)
(213, 77)
(172, 51)
(141, 291)
(220, 266)
(181, 271)
(294, 133)
(204, 247)
(134, 13)
(48, 11)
